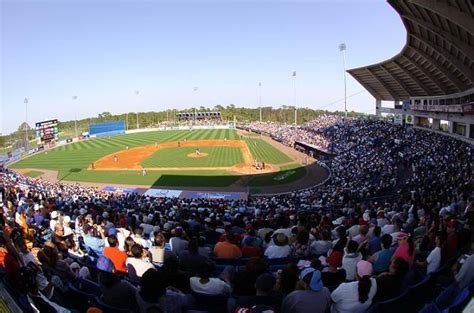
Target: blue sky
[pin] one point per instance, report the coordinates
(102, 51)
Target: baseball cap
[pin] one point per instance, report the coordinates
(364, 268)
(105, 264)
(112, 231)
(312, 277)
(402, 235)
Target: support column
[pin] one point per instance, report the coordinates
(450, 127)
(436, 123)
(468, 130)
(378, 106)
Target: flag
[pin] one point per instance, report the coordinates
(294, 73)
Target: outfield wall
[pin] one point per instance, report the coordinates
(107, 129)
(143, 130)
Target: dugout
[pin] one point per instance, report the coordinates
(107, 129)
(315, 151)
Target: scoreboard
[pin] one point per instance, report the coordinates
(47, 132)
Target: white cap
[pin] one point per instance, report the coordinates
(54, 214)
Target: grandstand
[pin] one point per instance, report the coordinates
(392, 230)
(431, 80)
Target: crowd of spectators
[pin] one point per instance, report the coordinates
(398, 207)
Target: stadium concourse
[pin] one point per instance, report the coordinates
(391, 231)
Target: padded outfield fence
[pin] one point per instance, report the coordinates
(107, 129)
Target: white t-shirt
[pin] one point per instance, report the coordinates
(140, 266)
(273, 252)
(346, 298)
(214, 286)
(349, 264)
(388, 229)
(434, 260)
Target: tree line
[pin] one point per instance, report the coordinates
(67, 129)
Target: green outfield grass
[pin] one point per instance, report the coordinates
(177, 157)
(33, 174)
(263, 151)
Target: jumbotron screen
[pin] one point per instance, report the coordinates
(47, 131)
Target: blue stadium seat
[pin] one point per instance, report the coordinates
(108, 308)
(78, 299)
(211, 304)
(89, 286)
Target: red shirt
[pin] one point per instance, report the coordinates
(117, 257)
(227, 250)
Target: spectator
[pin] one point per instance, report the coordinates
(355, 296)
(334, 275)
(153, 294)
(226, 249)
(118, 258)
(389, 284)
(351, 259)
(375, 243)
(178, 243)
(280, 249)
(300, 248)
(406, 248)
(244, 281)
(382, 258)
(115, 291)
(313, 297)
(136, 264)
(190, 259)
(93, 243)
(322, 247)
(264, 295)
(205, 284)
(433, 261)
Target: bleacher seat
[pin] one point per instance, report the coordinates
(89, 286)
(108, 308)
(211, 304)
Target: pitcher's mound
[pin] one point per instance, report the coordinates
(195, 155)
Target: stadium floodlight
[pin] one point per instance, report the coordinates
(75, 120)
(342, 48)
(26, 124)
(260, 99)
(294, 91)
(137, 92)
(195, 89)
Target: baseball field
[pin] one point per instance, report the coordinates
(197, 158)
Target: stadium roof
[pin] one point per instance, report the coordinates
(438, 57)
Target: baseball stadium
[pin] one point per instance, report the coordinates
(168, 201)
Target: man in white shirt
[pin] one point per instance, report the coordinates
(434, 258)
(280, 249)
(136, 265)
(205, 284)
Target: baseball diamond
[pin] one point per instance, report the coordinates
(184, 158)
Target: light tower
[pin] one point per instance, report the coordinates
(342, 48)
